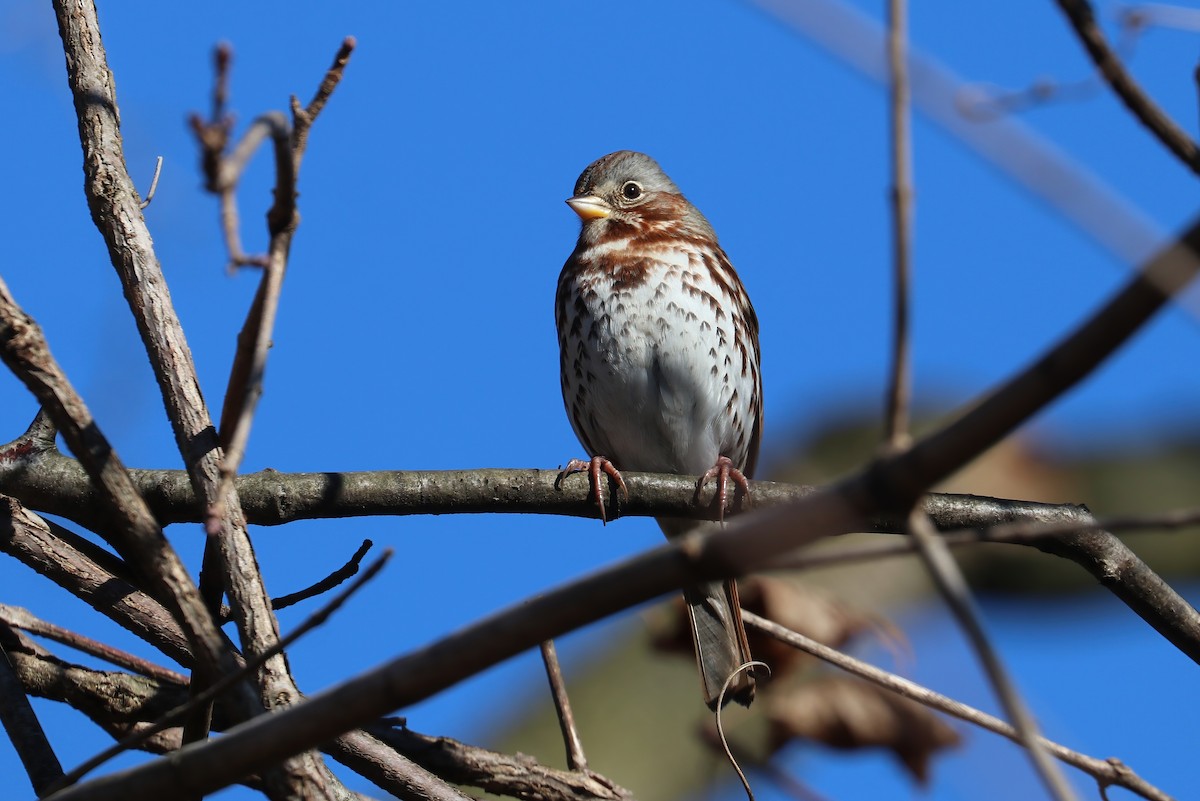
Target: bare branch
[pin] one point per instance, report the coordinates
(45, 547)
(22, 619)
(517, 776)
(326, 584)
(54, 483)
(1083, 20)
(895, 419)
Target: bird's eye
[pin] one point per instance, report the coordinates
(632, 190)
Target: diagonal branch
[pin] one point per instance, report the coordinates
(952, 586)
(1106, 772)
(23, 727)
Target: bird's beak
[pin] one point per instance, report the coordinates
(589, 207)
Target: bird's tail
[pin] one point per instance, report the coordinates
(720, 640)
(715, 615)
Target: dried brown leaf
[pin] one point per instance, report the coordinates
(845, 713)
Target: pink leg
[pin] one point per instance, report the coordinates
(593, 467)
(723, 471)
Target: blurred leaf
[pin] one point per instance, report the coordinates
(845, 713)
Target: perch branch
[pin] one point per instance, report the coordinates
(52, 482)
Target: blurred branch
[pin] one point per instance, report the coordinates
(1107, 772)
(895, 419)
(1017, 150)
(1083, 20)
(952, 586)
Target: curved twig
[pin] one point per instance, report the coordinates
(1083, 20)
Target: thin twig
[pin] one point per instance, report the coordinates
(948, 579)
(225, 682)
(326, 584)
(1105, 771)
(1083, 20)
(303, 118)
(245, 384)
(576, 760)
(153, 184)
(24, 730)
(899, 387)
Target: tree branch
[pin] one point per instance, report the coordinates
(1107, 772)
(23, 727)
(52, 482)
(1083, 20)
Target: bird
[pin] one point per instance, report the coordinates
(660, 364)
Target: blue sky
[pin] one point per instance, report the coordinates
(416, 328)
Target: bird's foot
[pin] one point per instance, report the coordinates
(724, 471)
(593, 467)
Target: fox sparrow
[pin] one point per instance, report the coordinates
(660, 366)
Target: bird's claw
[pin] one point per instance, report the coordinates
(723, 471)
(593, 467)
